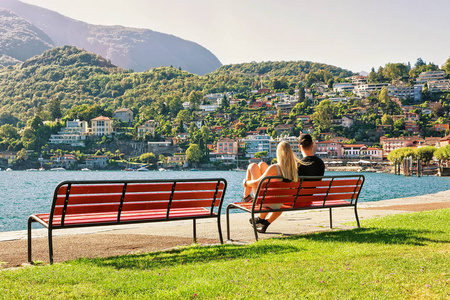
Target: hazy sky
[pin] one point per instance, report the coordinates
(352, 34)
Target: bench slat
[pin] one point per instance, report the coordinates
(116, 198)
(138, 187)
(309, 191)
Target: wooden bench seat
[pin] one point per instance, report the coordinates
(101, 203)
(310, 192)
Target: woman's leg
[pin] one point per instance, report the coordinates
(274, 216)
(253, 172)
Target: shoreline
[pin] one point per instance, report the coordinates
(438, 197)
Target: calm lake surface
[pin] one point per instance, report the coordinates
(25, 193)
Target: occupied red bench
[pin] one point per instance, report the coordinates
(308, 193)
(100, 203)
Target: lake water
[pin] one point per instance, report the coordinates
(25, 193)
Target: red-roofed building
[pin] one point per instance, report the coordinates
(353, 150)
(444, 141)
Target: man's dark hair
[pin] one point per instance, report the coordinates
(305, 140)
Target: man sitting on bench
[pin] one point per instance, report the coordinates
(309, 165)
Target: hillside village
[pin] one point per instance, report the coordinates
(356, 119)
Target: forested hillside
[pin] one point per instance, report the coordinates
(76, 77)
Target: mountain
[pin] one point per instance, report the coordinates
(129, 48)
(19, 39)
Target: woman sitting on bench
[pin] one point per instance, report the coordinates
(286, 166)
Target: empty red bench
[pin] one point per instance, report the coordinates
(102, 203)
(311, 192)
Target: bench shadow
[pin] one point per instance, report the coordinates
(196, 254)
(394, 236)
(191, 255)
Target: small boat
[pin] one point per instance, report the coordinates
(162, 170)
(57, 169)
(8, 170)
(85, 169)
(193, 170)
(31, 170)
(41, 169)
(142, 169)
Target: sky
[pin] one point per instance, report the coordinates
(352, 34)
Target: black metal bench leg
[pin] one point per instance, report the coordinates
(228, 222)
(331, 219)
(220, 229)
(30, 220)
(254, 227)
(50, 245)
(195, 231)
(357, 219)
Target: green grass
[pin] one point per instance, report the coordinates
(398, 257)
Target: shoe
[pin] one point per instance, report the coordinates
(262, 227)
(248, 198)
(258, 220)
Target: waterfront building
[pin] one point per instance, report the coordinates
(257, 143)
(124, 115)
(352, 151)
(102, 126)
(148, 126)
(390, 144)
(226, 151)
(177, 160)
(329, 149)
(97, 161)
(73, 134)
(9, 156)
(373, 153)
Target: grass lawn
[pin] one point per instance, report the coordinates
(398, 257)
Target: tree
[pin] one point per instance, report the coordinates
(387, 120)
(55, 108)
(447, 66)
(148, 158)
(7, 132)
(194, 154)
(323, 115)
(184, 116)
(195, 99)
(261, 154)
(301, 94)
(225, 103)
(425, 153)
(443, 153)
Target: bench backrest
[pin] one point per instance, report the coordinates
(309, 190)
(117, 197)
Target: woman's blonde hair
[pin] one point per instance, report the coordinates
(287, 161)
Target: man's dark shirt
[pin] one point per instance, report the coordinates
(314, 167)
